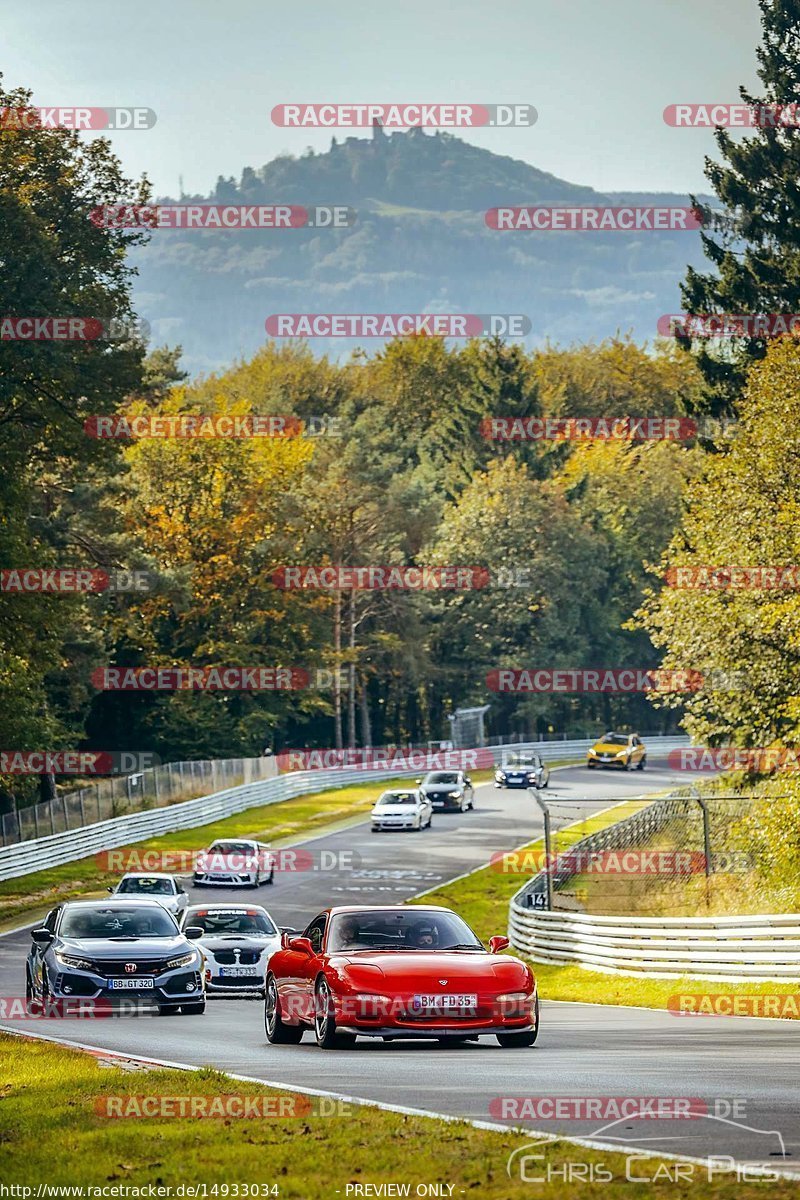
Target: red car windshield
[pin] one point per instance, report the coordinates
(411, 929)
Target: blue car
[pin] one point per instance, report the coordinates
(121, 947)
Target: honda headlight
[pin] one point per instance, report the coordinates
(72, 960)
(185, 960)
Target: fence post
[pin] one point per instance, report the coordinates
(706, 828)
(548, 875)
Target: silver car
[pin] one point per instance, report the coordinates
(156, 886)
(236, 944)
(402, 809)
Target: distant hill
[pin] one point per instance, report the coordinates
(420, 244)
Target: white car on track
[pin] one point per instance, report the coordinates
(155, 885)
(231, 862)
(236, 944)
(402, 809)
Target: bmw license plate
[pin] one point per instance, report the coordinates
(120, 985)
(445, 1002)
(238, 971)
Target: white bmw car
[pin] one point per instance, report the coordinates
(237, 942)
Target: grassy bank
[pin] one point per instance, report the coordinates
(31, 894)
(482, 898)
(54, 1134)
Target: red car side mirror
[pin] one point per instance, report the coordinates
(498, 943)
(301, 944)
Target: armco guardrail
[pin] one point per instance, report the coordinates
(38, 853)
(121, 795)
(733, 949)
(60, 848)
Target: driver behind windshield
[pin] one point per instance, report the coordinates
(424, 937)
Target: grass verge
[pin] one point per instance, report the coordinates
(32, 894)
(54, 1134)
(482, 899)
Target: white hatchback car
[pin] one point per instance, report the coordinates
(156, 886)
(407, 809)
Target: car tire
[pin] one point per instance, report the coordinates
(195, 1009)
(525, 1038)
(643, 763)
(271, 877)
(277, 1031)
(627, 766)
(325, 1031)
(590, 766)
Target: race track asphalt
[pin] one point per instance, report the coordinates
(584, 1050)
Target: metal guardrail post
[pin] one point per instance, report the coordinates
(695, 794)
(548, 875)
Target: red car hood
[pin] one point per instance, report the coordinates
(405, 969)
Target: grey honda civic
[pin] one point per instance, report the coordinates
(121, 947)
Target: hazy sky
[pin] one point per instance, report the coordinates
(600, 73)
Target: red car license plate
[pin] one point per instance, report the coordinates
(445, 1002)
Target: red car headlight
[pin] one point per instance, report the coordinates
(364, 1006)
(516, 1004)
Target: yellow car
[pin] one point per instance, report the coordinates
(624, 750)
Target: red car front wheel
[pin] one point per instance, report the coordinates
(327, 1035)
(278, 1032)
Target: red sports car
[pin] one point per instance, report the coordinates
(402, 972)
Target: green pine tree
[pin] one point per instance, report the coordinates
(753, 244)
